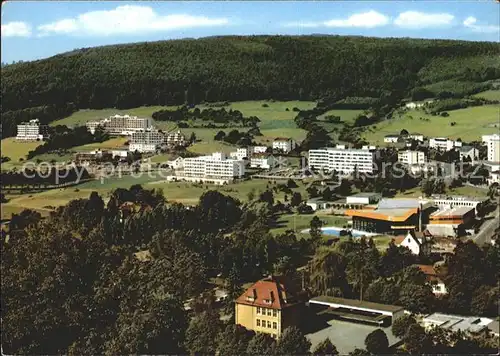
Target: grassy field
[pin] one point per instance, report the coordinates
(489, 95)
(16, 150)
(82, 116)
(111, 144)
(347, 116)
(471, 123)
(299, 222)
(211, 146)
(466, 190)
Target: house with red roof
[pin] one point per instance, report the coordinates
(269, 306)
(434, 279)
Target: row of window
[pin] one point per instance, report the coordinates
(263, 324)
(268, 312)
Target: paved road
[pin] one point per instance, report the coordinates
(487, 230)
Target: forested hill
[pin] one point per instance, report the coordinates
(235, 68)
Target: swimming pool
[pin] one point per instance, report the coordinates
(335, 231)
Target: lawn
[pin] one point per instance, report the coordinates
(488, 94)
(347, 116)
(299, 222)
(16, 150)
(471, 123)
(111, 144)
(206, 148)
(466, 190)
(82, 116)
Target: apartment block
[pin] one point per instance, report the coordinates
(493, 144)
(284, 144)
(241, 153)
(176, 139)
(443, 143)
(262, 160)
(121, 124)
(342, 159)
(216, 165)
(411, 157)
(31, 131)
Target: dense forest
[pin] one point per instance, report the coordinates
(239, 68)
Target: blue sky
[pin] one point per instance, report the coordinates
(34, 30)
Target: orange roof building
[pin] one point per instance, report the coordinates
(269, 306)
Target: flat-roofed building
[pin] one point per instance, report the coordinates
(259, 149)
(146, 141)
(93, 157)
(471, 324)
(177, 138)
(122, 124)
(493, 144)
(355, 310)
(469, 153)
(411, 157)
(241, 153)
(392, 138)
(262, 160)
(416, 136)
(444, 144)
(451, 221)
(269, 306)
(216, 165)
(341, 159)
(363, 198)
(451, 201)
(31, 131)
(391, 216)
(284, 144)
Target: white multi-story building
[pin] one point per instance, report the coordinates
(284, 144)
(443, 143)
(216, 165)
(262, 160)
(31, 131)
(493, 144)
(259, 149)
(176, 139)
(122, 124)
(454, 201)
(469, 152)
(241, 153)
(411, 157)
(146, 141)
(342, 159)
(391, 138)
(416, 136)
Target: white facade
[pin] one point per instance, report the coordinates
(416, 137)
(363, 198)
(416, 245)
(147, 137)
(411, 157)
(391, 138)
(494, 177)
(469, 151)
(341, 159)
(122, 124)
(262, 161)
(259, 149)
(177, 163)
(493, 144)
(443, 143)
(454, 201)
(241, 153)
(142, 147)
(30, 131)
(214, 166)
(283, 144)
(176, 139)
(119, 153)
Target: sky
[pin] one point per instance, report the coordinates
(38, 29)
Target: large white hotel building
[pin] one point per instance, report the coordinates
(342, 159)
(493, 144)
(121, 124)
(216, 166)
(31, 131)
(146, 141)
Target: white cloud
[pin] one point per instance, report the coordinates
(368, 19)
(16, 29)
(128, 19)
(416, 19)
(471, 22)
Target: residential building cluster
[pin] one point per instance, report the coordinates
(342, 159)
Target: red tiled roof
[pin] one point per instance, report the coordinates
(273, 292)
(427, 269)
(399, 239)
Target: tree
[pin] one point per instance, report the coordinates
(315, 228)
(220, 136)
(291, 183)
(192, 138)
(417, 298)
(359, 352)
(251, 195)
(234, 340)
(292, 342)
(296, 199)
(325, 347)
(234, 288)
(417, 341)
(267, 197)
(404, 132)
(400, 325)
(395, 258)
(202, 333)
(376, 342)
(327, 272)
(344, 188)
(261, 344)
